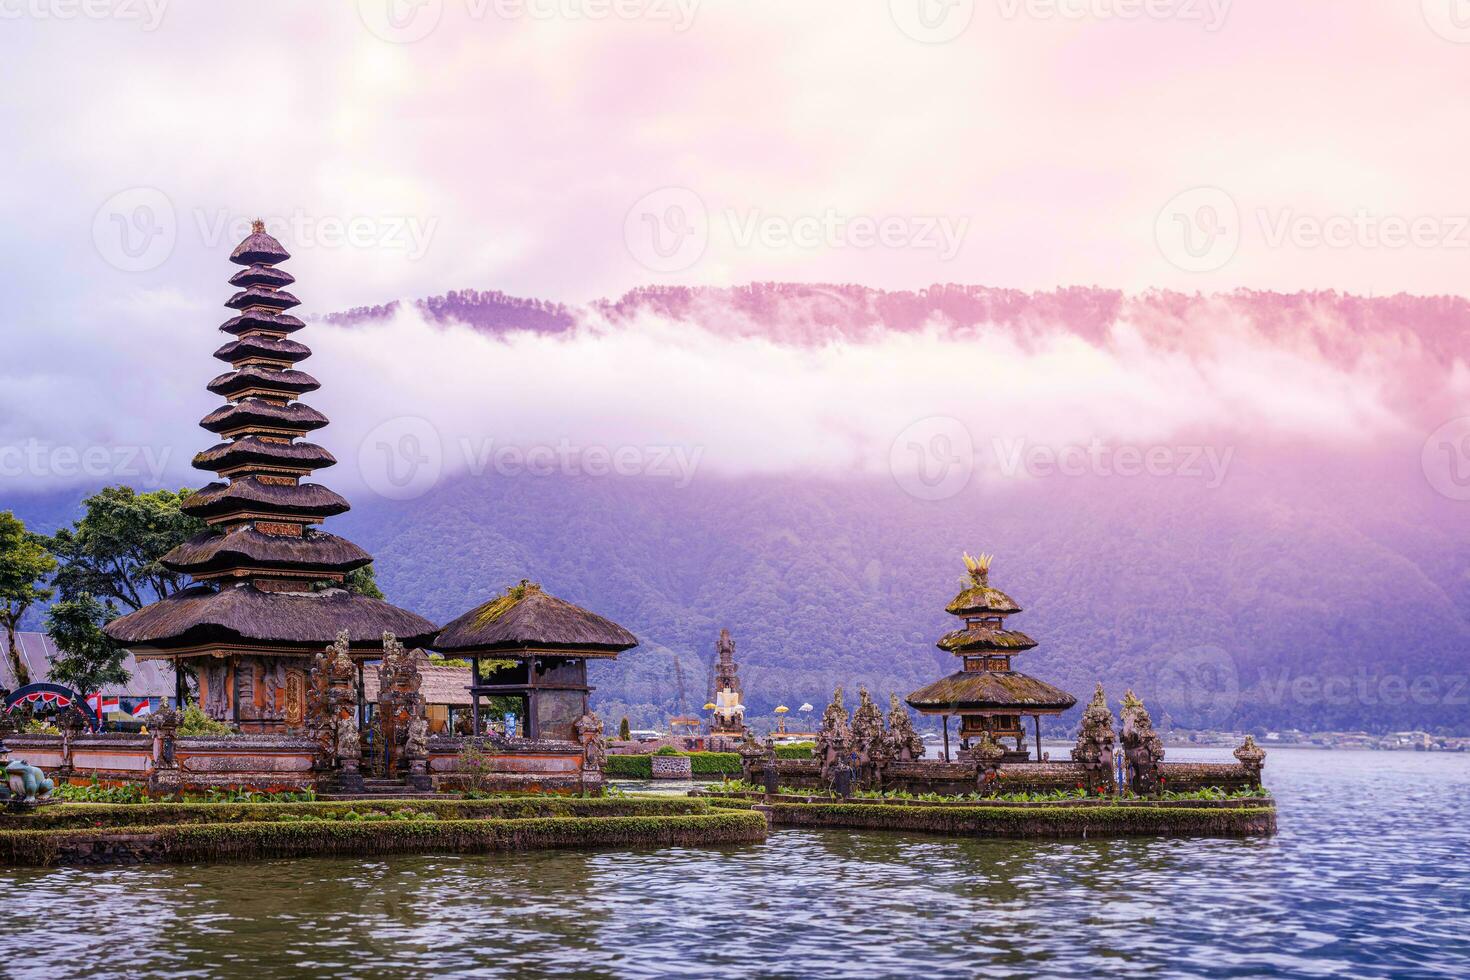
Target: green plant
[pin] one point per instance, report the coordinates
(196, 722)
(667, 750)
(625, 731)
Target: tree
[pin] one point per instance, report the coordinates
(24, 565)
(112, 552)
(359, 581)
(625, 731)
(90, 660)
(109, 560)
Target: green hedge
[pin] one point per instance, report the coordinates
(264, 840)
(801, 750)
(702, 764)
(1023, 822)
(515, 808)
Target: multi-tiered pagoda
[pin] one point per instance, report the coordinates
(990, 698)
(269, 585)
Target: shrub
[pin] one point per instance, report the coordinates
(800, 750)
(196, 722)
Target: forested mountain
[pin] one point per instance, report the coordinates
(1324, 604)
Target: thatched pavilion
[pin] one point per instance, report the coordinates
(543, 644)
(268, 583)
(990, 698)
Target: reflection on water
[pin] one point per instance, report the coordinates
(1370, 876)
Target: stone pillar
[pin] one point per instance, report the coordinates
(164, 779)
(1252, 758)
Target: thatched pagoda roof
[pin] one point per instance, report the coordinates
(259, 249)
(254, 376)
(262, 320)
(990, 690)
(255, 345)
(256, 411)
(246, 615)
(983, 639)
(262, 275)
(218, 550)
(271, 299)
(253, 449)
(978, 599)
(525, 618)
(250, 494)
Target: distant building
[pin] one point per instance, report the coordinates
(446, 691)
(148, 680)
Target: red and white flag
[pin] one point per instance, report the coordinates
(101, 706)
(143, 707)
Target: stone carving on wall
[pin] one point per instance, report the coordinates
(216, 701)
(295, 699)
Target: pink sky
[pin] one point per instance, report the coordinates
(528, 146)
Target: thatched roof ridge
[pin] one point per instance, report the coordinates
(244, 614)
(254, 376)
(259, 248)
(218, 550)
(253, 449)
(976, 599)
(526, 617)
(262, 275)
(981, 640)
(989, 690)
(250, 494)
(262, 320)
(271, 299)
(276, 348)
(256, 411)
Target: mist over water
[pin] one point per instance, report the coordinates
(1369, 877)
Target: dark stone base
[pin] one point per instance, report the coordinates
(350, 782)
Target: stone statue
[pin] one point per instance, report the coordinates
(589, 734)
(1252, 757)
(869, 741)
(1142, 746)
(165, 779)
(1094, 748)
(904, 743)
(987, 754)
(28, 785)
(834, 741)
(331, 712)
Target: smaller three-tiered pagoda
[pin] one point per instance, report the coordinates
(989, 696)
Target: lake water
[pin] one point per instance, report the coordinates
(1369, 877)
